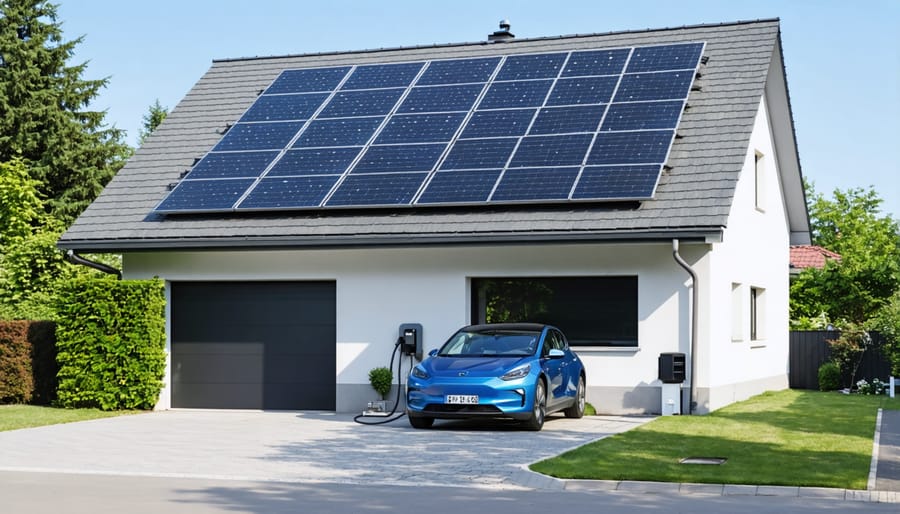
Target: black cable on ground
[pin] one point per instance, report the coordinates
(384, 420)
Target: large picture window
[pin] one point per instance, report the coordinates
(591, 311)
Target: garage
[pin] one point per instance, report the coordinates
(253, 345)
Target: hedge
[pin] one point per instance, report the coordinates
(27, 362)
(111, 343)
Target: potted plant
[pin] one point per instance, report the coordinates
(380, 378)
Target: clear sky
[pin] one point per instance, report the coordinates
(842, 57)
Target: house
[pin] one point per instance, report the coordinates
(289, 304)
(810, 256)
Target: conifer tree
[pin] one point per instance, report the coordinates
(155, 115)
(44, 114)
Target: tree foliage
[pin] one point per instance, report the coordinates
(154, 117)
(20, 207)
(856, 288)
(44, 115)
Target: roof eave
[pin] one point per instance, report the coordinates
(699, 235)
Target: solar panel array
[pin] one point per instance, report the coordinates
(586, 125)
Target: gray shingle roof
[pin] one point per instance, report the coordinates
(693, 198)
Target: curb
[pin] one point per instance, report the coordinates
(632, 487)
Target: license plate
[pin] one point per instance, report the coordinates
(462, 399)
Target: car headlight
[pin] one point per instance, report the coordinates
(418, 372)
(519, 372)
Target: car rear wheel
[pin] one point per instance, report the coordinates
(418, 422)
(536, 421)
(577, 408)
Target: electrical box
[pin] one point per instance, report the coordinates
(671, 399)
(672, 368)
(411, 339)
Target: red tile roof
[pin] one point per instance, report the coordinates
(810, 256)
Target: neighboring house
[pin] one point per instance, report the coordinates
(290, 308)
(810, 256)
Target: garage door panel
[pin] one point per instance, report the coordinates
(280, 394)
(272, 336)
(218, 396)
(237, 368)
(298, 369)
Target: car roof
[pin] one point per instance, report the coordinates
(523, 327)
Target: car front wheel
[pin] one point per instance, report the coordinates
(536, 421)
(577, 408)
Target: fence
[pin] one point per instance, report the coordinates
(810, 349)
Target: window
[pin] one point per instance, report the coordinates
(737, 313)
(757, 314)
(591, 311)
(759, 181)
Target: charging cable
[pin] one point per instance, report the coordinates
(391, 416)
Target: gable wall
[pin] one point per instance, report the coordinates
(754, 253)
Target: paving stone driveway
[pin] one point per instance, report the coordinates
(303, 447)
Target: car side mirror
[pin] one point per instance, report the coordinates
(556, 354)
(432, 353)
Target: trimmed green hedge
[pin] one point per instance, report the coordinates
(111, 343)
(27, 362)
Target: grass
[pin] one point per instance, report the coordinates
(14, 417)
(798, 438)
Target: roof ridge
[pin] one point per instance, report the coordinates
(514, 41)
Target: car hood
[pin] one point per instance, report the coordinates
(474, 366)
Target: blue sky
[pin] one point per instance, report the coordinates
(842, 57)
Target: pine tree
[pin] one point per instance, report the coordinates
(155, 115)
(44, 115)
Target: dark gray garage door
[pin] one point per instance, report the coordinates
(253, 345)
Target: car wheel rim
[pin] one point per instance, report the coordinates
(540, 402)
(581, 395)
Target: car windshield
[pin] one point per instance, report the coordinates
(495, 343)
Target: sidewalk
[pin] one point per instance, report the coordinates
(887, 474)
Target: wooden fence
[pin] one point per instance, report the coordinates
(810, 349)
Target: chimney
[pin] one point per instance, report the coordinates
(503, 34)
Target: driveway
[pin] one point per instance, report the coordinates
(302, 447)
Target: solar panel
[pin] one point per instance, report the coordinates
(530, 184)
(585, 125)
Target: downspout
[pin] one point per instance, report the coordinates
(74, 258)
(694, 316)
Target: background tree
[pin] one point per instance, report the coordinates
(858, 286)
(44, 115)
(151, 120)
(30, 264)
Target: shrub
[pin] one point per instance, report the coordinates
(16, 381)
(381, 378)
(876, 387)
(829, 376)
(848, 349)
(111, 343)
(27, 362)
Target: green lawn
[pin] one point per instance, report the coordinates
(13, 417)
(790, 437)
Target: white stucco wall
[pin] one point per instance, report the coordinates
(378, 289)
(754, 253)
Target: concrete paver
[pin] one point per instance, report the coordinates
(302, 446)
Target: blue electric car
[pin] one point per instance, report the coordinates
(520, 371)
